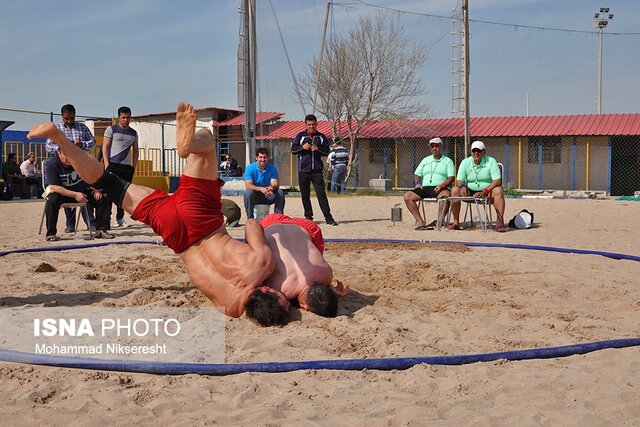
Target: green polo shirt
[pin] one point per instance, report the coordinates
(434, 172)
(478, 177)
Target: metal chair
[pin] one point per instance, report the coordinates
(479, 202)
(421, 207)
(82, 206)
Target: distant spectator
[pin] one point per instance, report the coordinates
(80, 135)
(339, 160)
(229, 166)
(13, 176)
(29, 168)
(262, 184)
(310, 146)
(120, 153)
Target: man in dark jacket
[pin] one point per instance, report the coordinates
(310, 145)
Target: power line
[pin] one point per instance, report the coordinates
(477, 21)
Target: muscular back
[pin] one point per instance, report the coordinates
(227, 270)
(297, 261)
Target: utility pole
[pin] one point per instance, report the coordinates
(600, 21)
(247, 75)
(324, 36)
(467, 115)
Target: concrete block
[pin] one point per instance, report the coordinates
(380, 184)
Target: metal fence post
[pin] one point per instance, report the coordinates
(539, 165)
(164, 168)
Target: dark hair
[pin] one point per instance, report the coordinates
(11, 156)
(310, 118)
(322, 300)
(262, 150)
(124, 109)
(265, 308)
(68, 108)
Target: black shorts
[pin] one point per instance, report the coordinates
(113, 185)
(471, 192)
(426, 192)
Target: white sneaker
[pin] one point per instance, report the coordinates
(120, 223)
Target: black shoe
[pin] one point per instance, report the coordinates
(310, 218)
(332, 223)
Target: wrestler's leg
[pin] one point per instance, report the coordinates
(87, 166)
(199, 147)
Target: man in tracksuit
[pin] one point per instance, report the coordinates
(310, 145)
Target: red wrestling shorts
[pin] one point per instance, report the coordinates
(185, 217)
(310, 226)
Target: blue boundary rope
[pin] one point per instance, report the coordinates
(175, 368)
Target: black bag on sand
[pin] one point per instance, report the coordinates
(523, 220)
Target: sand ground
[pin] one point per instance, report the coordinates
(407, 300)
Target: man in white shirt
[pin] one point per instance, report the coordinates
(29, 168)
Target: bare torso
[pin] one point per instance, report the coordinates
(225, 270)
(297, 261)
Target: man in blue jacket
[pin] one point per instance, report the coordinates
(310, 145)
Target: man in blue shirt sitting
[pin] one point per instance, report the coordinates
(262, 185)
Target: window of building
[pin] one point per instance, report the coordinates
(551, 149)
(379, 152)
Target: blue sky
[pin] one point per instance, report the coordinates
(150, 54)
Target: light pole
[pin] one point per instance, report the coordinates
(600, 21)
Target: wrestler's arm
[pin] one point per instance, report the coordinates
(263, 257)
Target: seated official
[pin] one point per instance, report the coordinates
(262, 185)
(479, 176)
(64, 185)
(433, 178)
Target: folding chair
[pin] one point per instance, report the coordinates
(479, 202)
(440, 207)
(82, 207)
(421, 203)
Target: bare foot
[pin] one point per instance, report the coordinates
(43, 130)
(185, 129)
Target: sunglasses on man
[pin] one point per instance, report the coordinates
(476, 150)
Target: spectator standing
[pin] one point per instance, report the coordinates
(339, 162)
(120, 153)
(30, 170)
(310, 145)
(262, 184)
(80, 135)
